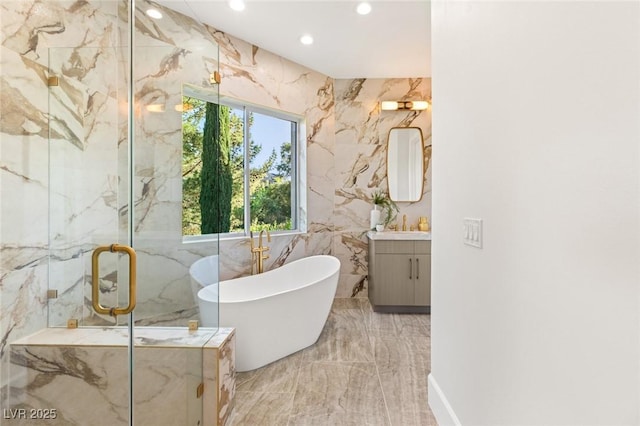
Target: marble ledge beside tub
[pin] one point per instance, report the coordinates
(399, 235)
(182, 376)
(118, 336)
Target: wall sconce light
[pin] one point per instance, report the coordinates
(412, 105)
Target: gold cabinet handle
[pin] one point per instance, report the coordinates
(95, 280)
(417, 268)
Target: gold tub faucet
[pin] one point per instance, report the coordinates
(258, 253)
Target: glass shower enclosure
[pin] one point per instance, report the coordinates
(120, 298)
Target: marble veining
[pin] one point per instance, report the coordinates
(361, 131)
(344, 339)
(351, 394)
(403, 365)
(81, 127)
(85, 377)
(226, 377)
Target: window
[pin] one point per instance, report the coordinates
(240, 175)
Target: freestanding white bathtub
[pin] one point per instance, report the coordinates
(275, 313)
(203, 272)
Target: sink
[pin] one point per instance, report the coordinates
(399, 235)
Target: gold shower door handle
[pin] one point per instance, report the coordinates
(95, 280)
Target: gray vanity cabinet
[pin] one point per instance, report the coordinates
(400, 275)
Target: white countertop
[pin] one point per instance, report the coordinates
(399, 235)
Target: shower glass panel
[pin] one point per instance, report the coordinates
(107, 188)
(88, 199)
(88, 193)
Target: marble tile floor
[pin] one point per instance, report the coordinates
(367, 368)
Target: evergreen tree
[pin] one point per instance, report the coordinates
(217, 180)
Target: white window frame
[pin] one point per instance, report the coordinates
(298, 151)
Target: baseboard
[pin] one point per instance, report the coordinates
(440, 406)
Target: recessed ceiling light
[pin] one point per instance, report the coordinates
(236, 5)
(154, 13)
(363, 8)
(306, 39)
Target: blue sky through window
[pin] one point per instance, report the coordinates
(271, 133)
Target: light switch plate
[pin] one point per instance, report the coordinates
(472, 232)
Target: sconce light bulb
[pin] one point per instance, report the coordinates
(419, 105)
(388, 105)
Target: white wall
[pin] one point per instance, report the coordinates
(536, 130)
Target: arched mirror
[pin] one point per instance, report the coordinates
(405, 164)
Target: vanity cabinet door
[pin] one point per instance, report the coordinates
(423, 280)
(396, 271)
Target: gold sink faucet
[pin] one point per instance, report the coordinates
(258, 253)
(404, 222)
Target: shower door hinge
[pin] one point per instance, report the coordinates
(53, 81)
(214, 78)
(52, 294)
(72, 323)
(193, 325)
(200, 390)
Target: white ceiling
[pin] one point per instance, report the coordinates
(393, 41)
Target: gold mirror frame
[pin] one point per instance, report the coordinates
(405, 164)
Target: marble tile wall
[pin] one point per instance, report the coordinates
(63, 161)
(27, 30)
(255, 75)
(360, 163)
(345, 152)
(344, 156)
